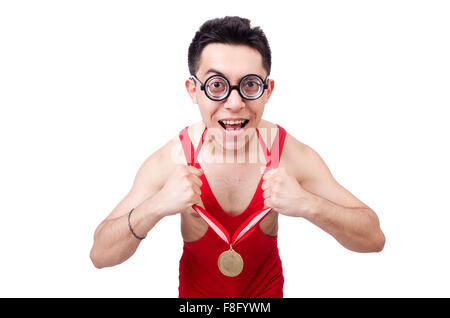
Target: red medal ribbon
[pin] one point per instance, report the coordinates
(241, 233)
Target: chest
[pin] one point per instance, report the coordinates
(233, 186)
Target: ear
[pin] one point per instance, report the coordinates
(270, 87)
(192, 90)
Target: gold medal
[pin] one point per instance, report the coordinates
(230, 263)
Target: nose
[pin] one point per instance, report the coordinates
(234, 102)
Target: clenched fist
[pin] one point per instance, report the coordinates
(285, 195)
(181, 190)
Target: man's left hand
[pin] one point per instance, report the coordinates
(285, 195)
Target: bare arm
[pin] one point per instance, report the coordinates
(113, 241)
(161, 188)
(337, 211)
(304, 187)
(357, 228)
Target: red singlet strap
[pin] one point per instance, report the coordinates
(273, 157)
(277, 147)
(188, 147)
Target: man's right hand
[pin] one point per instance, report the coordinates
(181, 190)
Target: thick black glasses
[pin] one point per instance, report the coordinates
(218, 88)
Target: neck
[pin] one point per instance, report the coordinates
(243, 150)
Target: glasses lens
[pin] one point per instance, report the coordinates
(251, 86)
(217, 87)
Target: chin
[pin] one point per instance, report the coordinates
(231, 135)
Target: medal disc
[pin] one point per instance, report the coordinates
(230, 263)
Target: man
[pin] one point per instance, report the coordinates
(229, 176)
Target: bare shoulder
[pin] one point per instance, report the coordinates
(297, 158)
(156, 168)
(295, 155)
(302, 160)
(313, 174)
(151, 176)
(161, 163)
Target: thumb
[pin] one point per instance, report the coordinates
(269, 173)
(194, 170)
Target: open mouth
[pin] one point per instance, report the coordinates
(233, 125)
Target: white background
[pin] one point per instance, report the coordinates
(89, 89)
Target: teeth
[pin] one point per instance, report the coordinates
(233, 122)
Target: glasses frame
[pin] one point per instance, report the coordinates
(231, 87)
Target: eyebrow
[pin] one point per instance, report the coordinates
(211, 70)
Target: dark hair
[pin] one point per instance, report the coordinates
(228, 30)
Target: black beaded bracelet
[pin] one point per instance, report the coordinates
(131, 229)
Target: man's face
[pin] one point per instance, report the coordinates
(234, 62)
